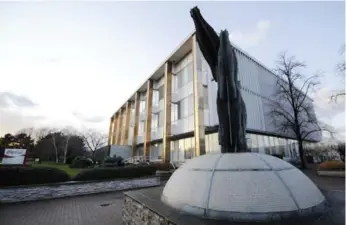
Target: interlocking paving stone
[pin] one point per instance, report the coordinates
(105, 209)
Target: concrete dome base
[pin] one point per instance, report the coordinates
(242, 187)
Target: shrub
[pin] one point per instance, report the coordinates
(115, 173)
(115, 161)
(278, 156)
(332, 165)
(81, 162)
(162, 166)
(10, 176)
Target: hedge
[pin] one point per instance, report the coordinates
(81, 162)
(115, 173)
(10, 176)
(332, 165)
(162, 166)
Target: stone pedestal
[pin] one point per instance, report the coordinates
(244, 187)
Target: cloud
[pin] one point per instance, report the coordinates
(13, 120)
(9, 100)
(90, 119)
(330, 112)
(251, 37)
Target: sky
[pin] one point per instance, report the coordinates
(75, 63)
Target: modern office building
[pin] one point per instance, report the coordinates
(172, 116)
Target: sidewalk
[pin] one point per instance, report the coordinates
(326, 183)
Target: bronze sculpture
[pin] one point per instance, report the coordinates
(220, 55)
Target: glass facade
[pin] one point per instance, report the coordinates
(142, 106)
(140, 128)
(155, 98)
(154, 122)
(183, 76)
(156, 151)
(259, 143)
(182, 149)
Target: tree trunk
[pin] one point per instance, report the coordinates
(301, 154)
(66, 148)
(56, 150)
(93, 155)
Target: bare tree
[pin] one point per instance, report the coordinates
(67, 132)
(53, 133)
(29, 131)
(291, 110)
(94, 140)
(341, 68)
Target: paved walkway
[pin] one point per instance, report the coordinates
(103, 209)
(327, 183)
(106, 209)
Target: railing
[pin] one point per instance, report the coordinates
(137, 159)
(144, 159)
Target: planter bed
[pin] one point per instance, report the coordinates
(68, 189)
(331, 173)
(164, 175)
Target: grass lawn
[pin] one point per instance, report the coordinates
(64, 167)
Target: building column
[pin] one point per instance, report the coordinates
(167, 113)
(135, 127)
(115, 126)
(110, 131)
(127, 123)
(147, 127)
(120, 126)
(123, 121)
(198, 104)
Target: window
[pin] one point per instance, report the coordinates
(260, 143)
(248, 141)
(207, 145)
(142, 106)
(154, 122)
(160, 118)
(185, 107)
(174, 83)
(205, 97)
(255, 145)
(189, 72)
(185, 75)
(214, 142)
(174, 112)
(181, 150)
(161, 92)
(141, 128)
(174, 150)
(266, 145)
(155, 98)
(188, 148)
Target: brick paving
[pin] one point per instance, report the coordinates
(100, 209)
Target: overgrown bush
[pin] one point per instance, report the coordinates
(332, 165)
(11, 176)
(81, 162)
(115, 173)
(115, 161)
(278, 156)
(162, 166)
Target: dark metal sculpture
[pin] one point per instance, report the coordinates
(220, 55)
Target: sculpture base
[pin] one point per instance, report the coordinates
(145, 207)
(243, 187)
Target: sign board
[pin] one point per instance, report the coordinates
(14, 156)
